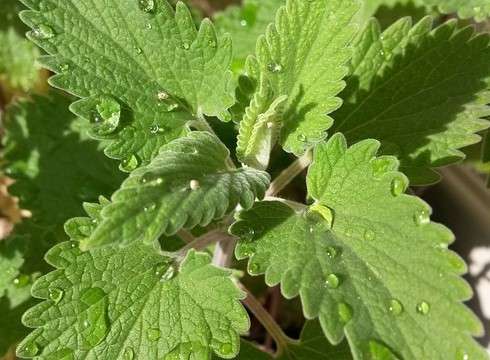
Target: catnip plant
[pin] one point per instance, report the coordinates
(270, 147)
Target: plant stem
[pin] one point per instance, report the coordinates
(293, 204)
(223, 252)
(186, 236)
(204, 241)
(267, 321)
(289, 174)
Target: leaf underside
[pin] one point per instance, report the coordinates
(422, 93)
(381, 274)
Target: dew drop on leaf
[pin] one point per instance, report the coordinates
(397, 186)
(43, 32)
(345, 312)
(254, 269)
(22, 281)
(332, 252)
(422, 217)
(162, 95)
(138, 50)
(147, 5)
(169, 274)
(129, 164)
(29, 350)
(395, 307)
(93, 324)
(194, 184)
(56, 294)
(301, 137)
(106, 119)
(186, 46)
(153, 334)
(274, 67)
(462, 355)
(423, 308)
(325, 212)
(128, 353)
(332, 281)
(154, 129)
(226, 349)
(369, 235)
(64, 67)
(379, 351)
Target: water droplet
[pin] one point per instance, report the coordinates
(301, 137)
(332, 252)
(397, 186)
(325, 212)
(22, 281)
(153, 334)
(423, 308)
(43, 32)
(462, 355)
(186, 46)
(128, 354)
(138, 50)
(93, 324)
(147, 5)
(332, 281)
(150, 207)
(243, 22)
(162, 95)
(381, 166)
(169, 274)
(345, 312)
(422, 217)
(64, 67)
(149, 26)
(194, 184)
(274, 67)
(129, 164)
(155, 129)
(379, 351)
(395, 307)
(56, 294)
(29, 350)
(254, 269)
(369, 235)
(212, 43)
(270, 125)
(226, 349)
(106, 119)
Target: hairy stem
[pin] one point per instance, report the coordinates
(267, 321)
(205, 240)
(289, 174)
(186, 236)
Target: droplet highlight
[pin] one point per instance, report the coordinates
(129, 164)
(397, 186)
(153, 334)
(43, 32)
(274, 67)
(395, 307)
(129, 354)
(369, 235)
(332, 281)
(194, 184)
(56, 294)
(22, 281)
(29, 350)
(422, 217)
(345, 312)
(147, 6)
(423, 308)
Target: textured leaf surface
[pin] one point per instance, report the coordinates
(151, 61)
(304, 56)
(422, 93)
(113, 303)
(477, 9)
(381, 273)
(187, 184)
(55, 167)
(245, 24)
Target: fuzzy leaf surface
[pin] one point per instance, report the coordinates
(149, 59)
(304, 56)
(187, 184)
(422, 93)
(378, 271)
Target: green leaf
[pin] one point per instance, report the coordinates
(114, 303)
(245, 24)
(365, 259)
(422, 93)
(304, 56)
(477, 9)
(187, 184)
(260, 127)
(142, 69)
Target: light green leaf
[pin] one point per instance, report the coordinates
(187, 184)
(132, 303)
(422, 93)
(10, 262)
(141, 68)
(260, 127)
(304, 56)
(477, 9)
(365, 259)
(245, 24)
